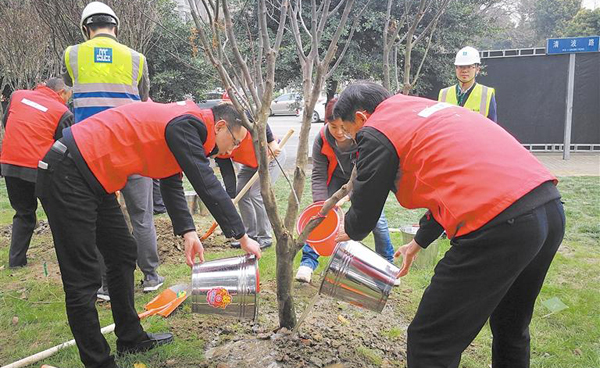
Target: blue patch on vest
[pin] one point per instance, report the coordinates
(102, 55)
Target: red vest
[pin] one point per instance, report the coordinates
(130, 139)
(327, 150)
(454, 163)
(32, 120)
(244, 153)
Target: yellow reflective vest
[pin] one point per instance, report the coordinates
(105, 74)
(479, 100)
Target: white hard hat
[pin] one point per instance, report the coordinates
(467, 56)
(97, 8)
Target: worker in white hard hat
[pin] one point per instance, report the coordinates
(105, 74)
(468, 93)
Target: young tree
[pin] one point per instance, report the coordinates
(249, 79)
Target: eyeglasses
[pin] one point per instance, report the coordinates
(236, 142)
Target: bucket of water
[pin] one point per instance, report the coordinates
(227, 287)
(359, 276)
(322, 238)
(426, 257)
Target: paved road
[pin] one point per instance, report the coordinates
(280, 126)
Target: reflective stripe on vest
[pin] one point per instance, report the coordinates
(244, 153)
(105, 74)
(464, 171)
(479, 99)
(130, 139)
(33, 117)
(327, 150)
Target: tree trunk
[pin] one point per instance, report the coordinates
(332, 85)
(285, 251)
(406, 87)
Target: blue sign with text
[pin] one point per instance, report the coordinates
(572, 45)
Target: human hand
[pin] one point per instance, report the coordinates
(409, 254)
(341, 236)
(250, 245)
(193, 247)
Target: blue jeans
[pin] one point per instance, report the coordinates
(383, 245)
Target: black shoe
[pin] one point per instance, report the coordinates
(159, 212)
(265, 243)
(235, 244)
(151, 342)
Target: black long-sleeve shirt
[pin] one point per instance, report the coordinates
(185, 136)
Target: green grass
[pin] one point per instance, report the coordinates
(570, 338)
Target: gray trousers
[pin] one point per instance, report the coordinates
(138, 198)
(252, 208)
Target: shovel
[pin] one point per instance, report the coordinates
(164, 304)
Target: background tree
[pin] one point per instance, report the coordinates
(585, 23)
(551, 16)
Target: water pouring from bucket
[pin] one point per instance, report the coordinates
(227, 287)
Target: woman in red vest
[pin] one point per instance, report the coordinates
(76, 184)
(334, 155)
(33, 121)
(495, 200)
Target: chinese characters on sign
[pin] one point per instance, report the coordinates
(572, 45)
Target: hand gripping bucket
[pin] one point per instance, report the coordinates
(227, 287)
(322, 238)
(359, 276)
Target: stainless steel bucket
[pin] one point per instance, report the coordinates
(427, 257)
(359, 276)
(227, 287)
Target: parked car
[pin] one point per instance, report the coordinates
(211, 99)
(286, 104)
(319, 111)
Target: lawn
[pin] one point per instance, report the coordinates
(32, 316)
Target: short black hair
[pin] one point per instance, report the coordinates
(96, 26)
(361, 95)
(227, 112)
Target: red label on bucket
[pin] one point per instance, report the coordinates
(218, 298)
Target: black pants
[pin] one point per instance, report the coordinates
(494, 273)
(21, 195)
(81, 222)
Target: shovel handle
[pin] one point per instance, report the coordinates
(246, 187)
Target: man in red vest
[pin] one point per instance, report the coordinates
(495, 200)
(76, 185)
(33, 121)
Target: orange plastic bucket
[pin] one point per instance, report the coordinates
(322, 238)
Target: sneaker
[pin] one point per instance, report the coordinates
(102, 294)
(152, 341)
(396, 282)
(304, 274)
(152, 283)
(235, 244)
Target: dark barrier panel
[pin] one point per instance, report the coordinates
(586, 100)
(531, 94)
